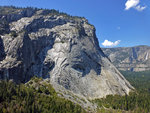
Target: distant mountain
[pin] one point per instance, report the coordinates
(130, 58)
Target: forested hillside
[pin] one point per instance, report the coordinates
(33, 97)
(137, 101)
(36, 98)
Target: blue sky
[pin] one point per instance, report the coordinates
(120, 23)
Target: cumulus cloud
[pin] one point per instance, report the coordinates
(107, 43)
(131, 3)
(134, 4)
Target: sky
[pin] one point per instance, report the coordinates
(118, 23)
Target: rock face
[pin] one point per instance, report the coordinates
(62, 48)
(130, 58)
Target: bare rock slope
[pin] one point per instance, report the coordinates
(57, 46)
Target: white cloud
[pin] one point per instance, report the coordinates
(134, 4)
(140, 8)
(107, 43)
(131, 3)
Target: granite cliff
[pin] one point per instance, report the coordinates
(130, 58)
(58, 47)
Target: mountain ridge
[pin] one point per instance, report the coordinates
(127, 46)
(136, 58)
